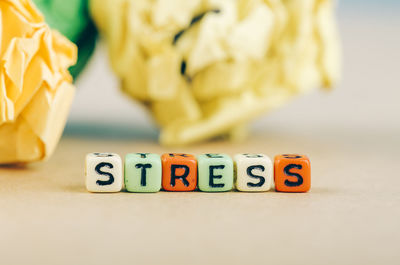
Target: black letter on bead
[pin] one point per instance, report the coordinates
(182, 155)
(212, 177)
(252, 155)
(261, 178)
(291, 156)
(143, 155)
(98, 170)
(103, 154)
(292, 174)
(214, 156)
(143, 175)
(183, 177)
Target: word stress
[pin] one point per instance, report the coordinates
(145, 172)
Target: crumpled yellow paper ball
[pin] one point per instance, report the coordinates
(206, 67)
(35, 85)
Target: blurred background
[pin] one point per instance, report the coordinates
(366, 99)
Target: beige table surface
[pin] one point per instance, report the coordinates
(351, 215)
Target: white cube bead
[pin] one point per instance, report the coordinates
(103, 172)
(254, 172)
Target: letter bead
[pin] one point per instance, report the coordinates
(254, 172)
(142, 172)
(103, 172)
(292, 173)
(179, 172)
(215, 172)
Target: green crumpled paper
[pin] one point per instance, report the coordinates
(71, 18)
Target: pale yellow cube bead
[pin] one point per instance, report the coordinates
(254, 172)
(103, 172)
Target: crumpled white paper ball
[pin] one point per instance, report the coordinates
(207, 67)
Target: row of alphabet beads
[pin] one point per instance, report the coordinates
(145, 172)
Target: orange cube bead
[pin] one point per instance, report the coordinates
(179, 172)
(292, 173)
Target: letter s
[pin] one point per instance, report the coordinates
(292, 174)
(98, 170)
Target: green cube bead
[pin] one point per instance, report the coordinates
(215, 172)
(142, 172)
